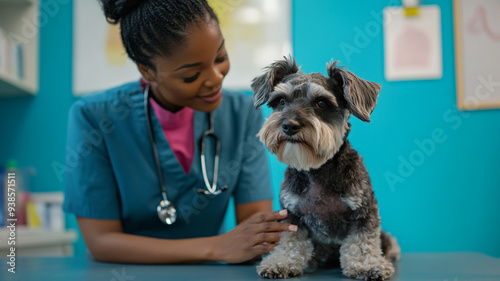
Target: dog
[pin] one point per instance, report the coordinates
(326, 189)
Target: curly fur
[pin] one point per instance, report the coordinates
(290, 258)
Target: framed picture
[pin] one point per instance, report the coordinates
(477, 46)
(257, 32)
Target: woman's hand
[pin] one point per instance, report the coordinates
(252, 238)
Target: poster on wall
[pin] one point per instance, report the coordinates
(477, 47)
(257, 32)
(413, 44)
(99, 58)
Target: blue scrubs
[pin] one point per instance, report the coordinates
(111, 172)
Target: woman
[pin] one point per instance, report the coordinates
(112, 181)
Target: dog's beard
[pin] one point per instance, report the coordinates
(310, 148)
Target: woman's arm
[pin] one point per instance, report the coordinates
(107, 243)
(255, 236)
(245, 211)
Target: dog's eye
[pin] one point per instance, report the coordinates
(276, 101)
(321, 104)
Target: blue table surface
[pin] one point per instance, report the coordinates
(454, 266)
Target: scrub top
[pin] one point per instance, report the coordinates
(111, 172)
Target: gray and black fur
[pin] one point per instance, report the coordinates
(326, 189)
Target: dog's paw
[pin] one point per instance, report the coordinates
(278, 271)
(378, 272)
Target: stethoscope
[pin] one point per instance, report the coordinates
(166, 210)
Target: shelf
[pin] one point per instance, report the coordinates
(12, 87)
(19, 22)
(39, 242)
(18, 1)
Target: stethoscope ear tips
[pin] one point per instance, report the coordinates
(206, 192)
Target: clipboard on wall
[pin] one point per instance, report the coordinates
(477, 53)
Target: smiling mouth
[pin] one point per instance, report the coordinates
(213, 97)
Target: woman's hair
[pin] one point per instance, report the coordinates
(154, 27)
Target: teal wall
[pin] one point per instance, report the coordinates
(444, 200)
(447, 200)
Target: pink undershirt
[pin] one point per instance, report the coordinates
(178, 129)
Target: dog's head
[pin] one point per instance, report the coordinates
(310, 111)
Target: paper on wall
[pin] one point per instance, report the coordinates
(413, 44)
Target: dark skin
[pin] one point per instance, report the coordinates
(191, 77)
(256, 234)
(195, 70)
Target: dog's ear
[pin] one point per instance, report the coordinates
(263, 85)
(361, 95)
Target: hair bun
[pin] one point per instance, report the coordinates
(115, 10)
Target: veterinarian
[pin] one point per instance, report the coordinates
(144, 184)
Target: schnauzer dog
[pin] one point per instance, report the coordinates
(326, 190)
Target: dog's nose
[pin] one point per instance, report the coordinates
(290, 127)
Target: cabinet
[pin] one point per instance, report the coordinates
(19, 41)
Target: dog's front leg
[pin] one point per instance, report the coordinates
(361, 257)
(289, 258)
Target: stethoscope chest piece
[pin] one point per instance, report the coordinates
(166, 212)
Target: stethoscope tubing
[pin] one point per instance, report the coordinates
(210, 132)
(153, 143)
(210, 189)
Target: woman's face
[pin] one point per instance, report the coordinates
(192, 75)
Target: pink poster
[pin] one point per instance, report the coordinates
(412, 44)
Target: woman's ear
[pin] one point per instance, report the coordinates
(147, 73)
